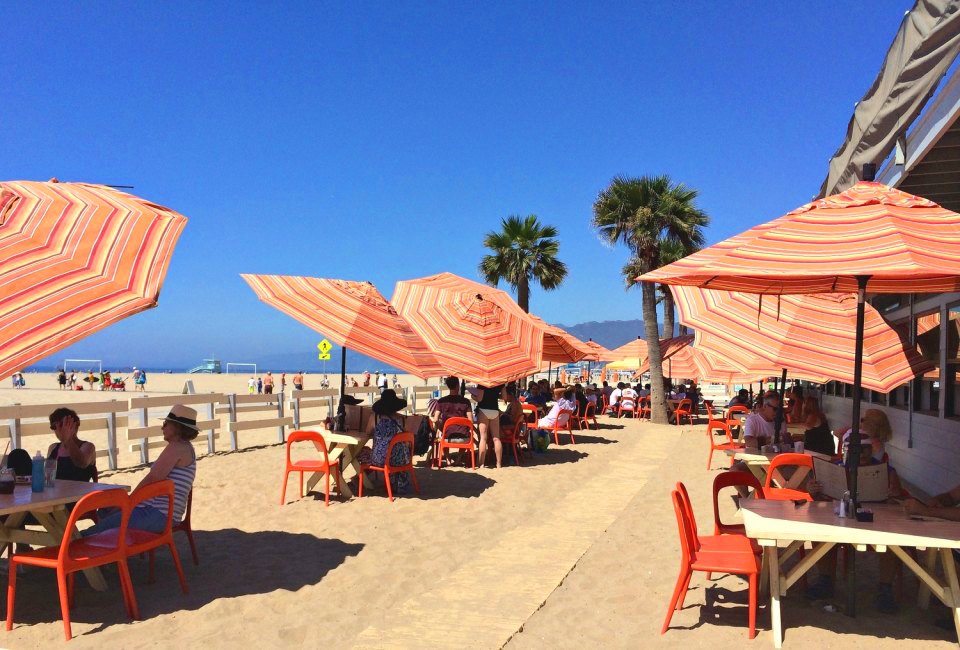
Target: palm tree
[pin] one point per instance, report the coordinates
(671, 251)
(646, 214)
(523, 251)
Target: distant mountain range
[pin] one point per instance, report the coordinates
(608, 333)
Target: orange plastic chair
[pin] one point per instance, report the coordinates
(145, 541)
(711, 554)
(468, 444)
(720, 425)
(563, 424)
(311, 466)
(590, 413)
(684, 410)
(80, 554)
(185, 527)
(626, 405)
(786, 494)
(405, 438)
(643, 408)
(732, 479)
(733, 420)
(509, 436)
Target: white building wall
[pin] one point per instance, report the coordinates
(932, 463)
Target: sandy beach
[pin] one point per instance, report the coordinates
(577, 548)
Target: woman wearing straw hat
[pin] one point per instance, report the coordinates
(384, 424)
(176, 462)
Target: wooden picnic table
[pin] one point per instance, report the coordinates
(343, 447)
(49, 508)
(758, 463)
(774, 522)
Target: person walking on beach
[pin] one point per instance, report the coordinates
(283, 382)
(298, 380)
(252, 385)
(382, 383)
(61, 379)
(259, 385)
(72, 380)
(366, 377)
(268, 383)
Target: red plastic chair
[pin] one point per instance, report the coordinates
(732, 479)
(582, 419)
(145, 541)
(510, 436)
(563, 424)
(684, 410)
(718, 553)
(79, 554)
(643, 408)
(734, 421)
(388, 468)
(720, 425)
(303, 466)
(468, 444)
(787, 494)
(626, 405)
(185, 527)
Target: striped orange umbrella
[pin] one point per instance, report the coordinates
(902, 243)
(688, 361)
(558, 345)
(475, 331)
(807, 334)
(75, 258)
(598, 352)
(354, 314)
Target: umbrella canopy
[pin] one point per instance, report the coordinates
(475, 331)
(689, 361)
(810, 335)
(558, 345)
(901, 242)
(354, 314)
(635, 349)
(598, 352)
(75, 258)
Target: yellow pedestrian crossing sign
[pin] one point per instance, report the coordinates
(324, 347)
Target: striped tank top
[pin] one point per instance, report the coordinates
(182, 477)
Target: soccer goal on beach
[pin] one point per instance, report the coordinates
(82, 364)
(236, 366)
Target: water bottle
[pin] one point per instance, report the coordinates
(36, 476)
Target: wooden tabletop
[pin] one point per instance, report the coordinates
(64, 492)
(816, 522)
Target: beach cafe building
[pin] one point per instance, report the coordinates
(907, 125)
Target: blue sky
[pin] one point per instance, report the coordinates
(380, 141)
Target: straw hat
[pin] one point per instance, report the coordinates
(183, 415)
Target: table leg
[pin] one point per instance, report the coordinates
(773, 563)
(950, 572)
(56, 524)
(13, 522)
(930, 561)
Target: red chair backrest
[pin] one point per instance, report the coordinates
(688, 513)
(404, 438)
(685, 405)
(713, 425)
(688, 543)
(732, 479)
(787, 460)
(162, 488)
(530, 413)
(460, 422)
(591, 409)
(738, 408)
(311, 436)
(626, 403)
(108, 498)
(563, 418)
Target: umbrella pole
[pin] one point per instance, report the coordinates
(779, 417)
(549, 371)
(853, 450)
(341, 409)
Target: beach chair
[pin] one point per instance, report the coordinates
(734, 420)
(185, 527)
(729, 444)
(710, 554)
(444, 443)
(312, 466)
(684, 410)
(79, 554)
(626, 405)
(643, 408)
(405, 438)
(797, 461)
(732, 479)
(510, 436)
(562, 423)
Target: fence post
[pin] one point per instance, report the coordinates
(15, 429)
(112, 437)
(295, 405)
(280, 432)
(211, 432)
(331, 409)
(144, 442)
(232, 400)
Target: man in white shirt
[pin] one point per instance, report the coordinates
(382, 382)
(629, 393)
(615, 397)
(758, 429)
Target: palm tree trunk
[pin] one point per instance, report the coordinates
(658, 401)
(669, 312)
(683, 330)
(523, 294)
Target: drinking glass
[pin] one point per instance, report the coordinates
(49, 472)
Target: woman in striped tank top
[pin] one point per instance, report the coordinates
(176, 462)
